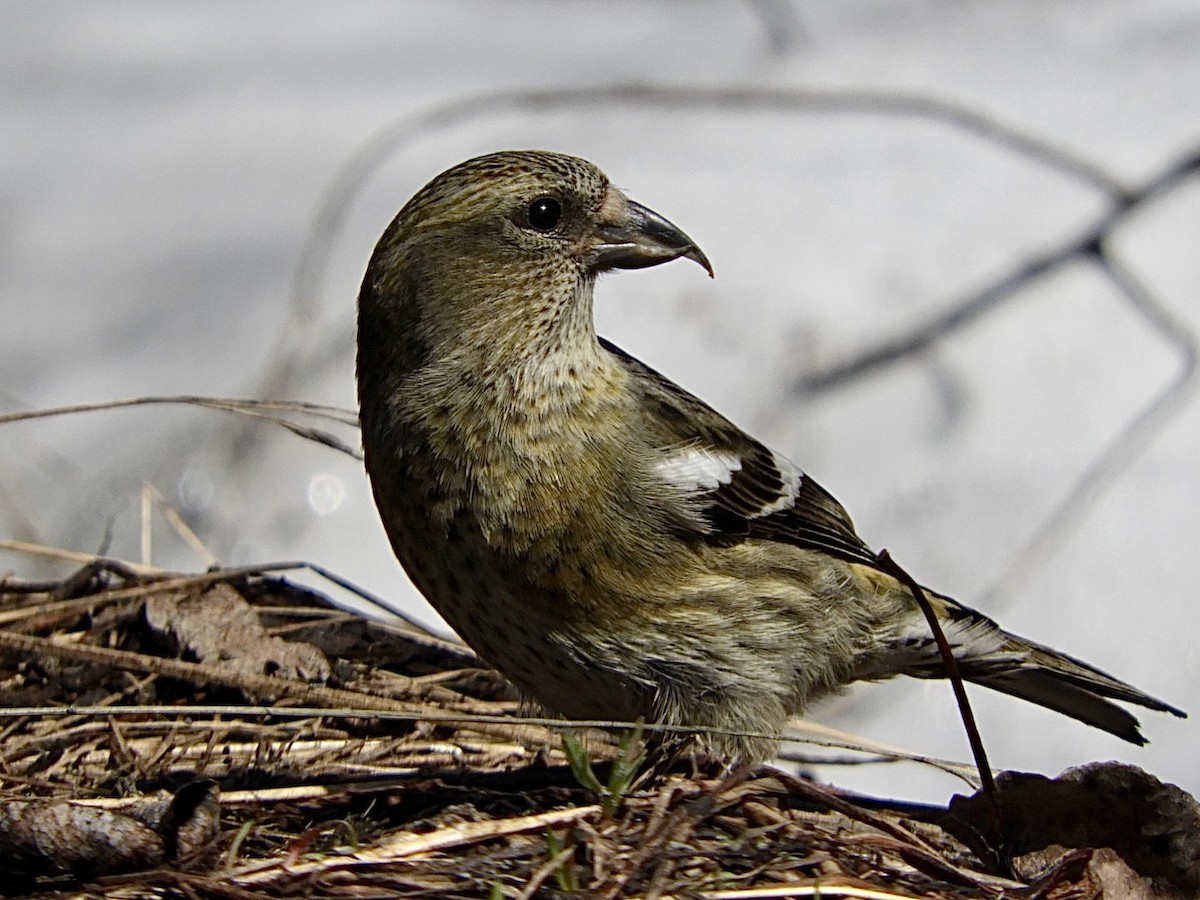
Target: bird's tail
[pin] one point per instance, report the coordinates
(992, 657)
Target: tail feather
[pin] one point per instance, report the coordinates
(1067, 669)
(1045, 688)
(1021, 668)
(1069, 686)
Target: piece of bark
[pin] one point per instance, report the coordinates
(1154, 827)
(47, 838)
(1095, 875)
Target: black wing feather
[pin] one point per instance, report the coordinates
(750, 505)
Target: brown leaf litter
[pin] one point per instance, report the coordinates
(235, 735)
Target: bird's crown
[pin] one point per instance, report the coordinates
(490, 183)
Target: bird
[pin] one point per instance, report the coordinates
(613, 545)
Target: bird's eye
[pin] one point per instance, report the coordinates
(544, 214)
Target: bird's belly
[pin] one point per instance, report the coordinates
(525, 632)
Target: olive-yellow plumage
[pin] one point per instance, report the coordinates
(613, 545)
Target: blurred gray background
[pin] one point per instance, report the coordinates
(190, 192)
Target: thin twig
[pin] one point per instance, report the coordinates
(891, 567)
(253, 409)
(962, 312)
(405, 845)
(336, 200)
(1136, 434)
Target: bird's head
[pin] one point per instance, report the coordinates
(510, 244)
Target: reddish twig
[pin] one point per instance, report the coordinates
(891, 567)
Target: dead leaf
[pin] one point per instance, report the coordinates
(217, 625)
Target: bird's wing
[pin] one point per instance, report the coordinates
(746, 489)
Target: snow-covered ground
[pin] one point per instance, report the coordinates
(163, 168)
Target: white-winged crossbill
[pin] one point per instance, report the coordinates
(617, 548)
